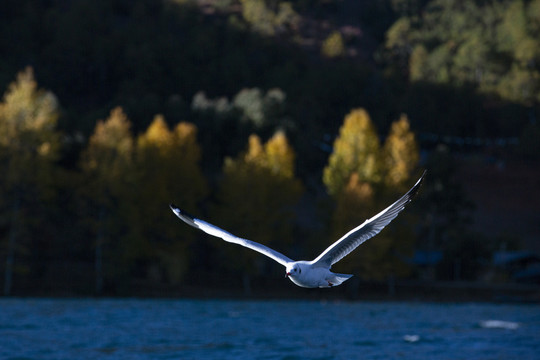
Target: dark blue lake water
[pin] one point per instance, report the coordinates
(223, 329)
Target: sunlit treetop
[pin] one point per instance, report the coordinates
(110, 148)
(28, 116)
(400, 153)
(280, 155)
(157, 136)
(267, 19)
(275, 156)
(185, 135)
(356, 150)
(113, 132)
(333, 46)
(29, 142)
(255, 151)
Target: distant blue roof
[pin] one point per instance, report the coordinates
(422, 257)
(507, 257)
(531, 272)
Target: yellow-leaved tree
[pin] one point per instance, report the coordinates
(400, 154)
(400, 157)
(107, 165)
(333, 46)
(356, 150)
(256, 200)
(269, 17)
(354, 204)
(29, 148)
(363, 179)
(108, 155)
(167, 170)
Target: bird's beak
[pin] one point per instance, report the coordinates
(287, 274)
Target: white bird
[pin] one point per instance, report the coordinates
(314, 273)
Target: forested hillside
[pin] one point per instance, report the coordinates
(285, 122)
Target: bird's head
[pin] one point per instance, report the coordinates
(293, 270)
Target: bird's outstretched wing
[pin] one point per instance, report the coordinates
(220, 233)
(366, 230)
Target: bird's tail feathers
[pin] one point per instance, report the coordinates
(340, 278)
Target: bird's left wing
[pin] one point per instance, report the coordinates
(366, 230)
(220, 233)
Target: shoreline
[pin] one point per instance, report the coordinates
(400, 290)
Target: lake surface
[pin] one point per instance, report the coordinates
(230, 329)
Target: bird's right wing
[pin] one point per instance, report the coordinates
(220, 233)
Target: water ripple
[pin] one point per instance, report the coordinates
(211, 329)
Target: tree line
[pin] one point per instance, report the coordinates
(106, 223)
(243, 77)
(477, 75)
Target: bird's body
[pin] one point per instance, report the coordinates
(308, 275)
(315, 273)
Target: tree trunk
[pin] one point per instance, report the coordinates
(98, 266)
(391, 285)
(10, 259)
(246, 280)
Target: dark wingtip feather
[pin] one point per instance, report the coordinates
(184, 216)
(412, 193)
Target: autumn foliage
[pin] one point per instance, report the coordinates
(356, 151)
(124, 182)
(257, 197)
(364, 178)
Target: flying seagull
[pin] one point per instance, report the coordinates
(314, 273)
